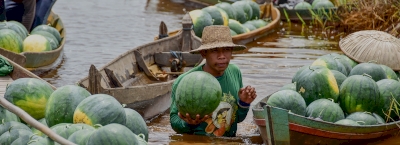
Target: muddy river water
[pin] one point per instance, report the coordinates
(100, 30)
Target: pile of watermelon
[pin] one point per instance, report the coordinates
(334, 88)
(14, 37)
(241, 17)
(71, 112)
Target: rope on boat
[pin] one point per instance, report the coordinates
(33, 122)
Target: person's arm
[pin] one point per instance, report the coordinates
(243, 108)
(177, 124)
(29, 13)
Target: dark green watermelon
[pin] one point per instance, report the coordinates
(289, 100)
(359, 93)
(112, 134)
(136, 123)
(374, 70)
(363, 118)
(389, 91)
(325, 109)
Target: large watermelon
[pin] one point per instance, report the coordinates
(289, 100)
(49, 29)
(136, 123)
(325, 109)
(36, 43)
(10, 40)
(15, 26)
(291, 86)
(389, 91)
(317, 82)
(200, 20)
(219, 18)
(303, 5)
(29, 94)
(112, 134)
(99, 109)
(332, 62)
(359, 93)
(374, 70)
(241, 16)
(198, 93)
(62, 103)
(296, 76)
(50, 37)
(228, 9)
(363, 118)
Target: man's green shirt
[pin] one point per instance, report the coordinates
(231, 82)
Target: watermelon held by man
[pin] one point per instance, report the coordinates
(198, 93)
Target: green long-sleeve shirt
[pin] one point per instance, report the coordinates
(231, 82)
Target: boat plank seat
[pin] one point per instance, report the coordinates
(143, 66)
(113, 81)
(4, 82)
(163, 59)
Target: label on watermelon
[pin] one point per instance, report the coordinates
(223, 116)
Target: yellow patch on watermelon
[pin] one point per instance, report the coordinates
(81, 117)
(319, 62)
(332, 83)
(36, 43)
(34, 107)
(224, 16)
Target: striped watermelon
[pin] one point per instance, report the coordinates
(359, 93)
(49, 29)
(374, 70)
(289, 100)
(29, 94)
(99, 109)
(62, 103)
(317, 82)
(325, 109)
(198, 93)
(10, 40)
(115, 134)
(388, 90)
(136, 123)
(200, 20)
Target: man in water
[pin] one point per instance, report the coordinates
(216, 48)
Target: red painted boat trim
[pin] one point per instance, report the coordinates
(329, 134)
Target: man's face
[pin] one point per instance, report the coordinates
(218, 59)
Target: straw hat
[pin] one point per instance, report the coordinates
(217, 36)
(372, 45)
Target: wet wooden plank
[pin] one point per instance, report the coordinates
(277, 125)
(4, 81)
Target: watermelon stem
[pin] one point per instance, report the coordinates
(373, 61)
(97, 126)
(364, 74)
(31, 141)
(142, 136)
(361, 122)
(331, 99)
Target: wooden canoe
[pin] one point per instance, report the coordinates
(267, 11)
(279, 126)
(142, 78)
(40, 62)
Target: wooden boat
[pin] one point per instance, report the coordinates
(267, 11)
(304, 14)
(40, 62)
(142, 77)
(278, 126)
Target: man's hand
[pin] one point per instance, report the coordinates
(247, 94)
(191, 121)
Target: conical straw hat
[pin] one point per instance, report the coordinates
(216, 36)
(372, 46)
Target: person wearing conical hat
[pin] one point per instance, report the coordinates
(216, 49)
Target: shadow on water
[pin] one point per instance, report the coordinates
(100, 30)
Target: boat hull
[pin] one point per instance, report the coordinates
(288, 128)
